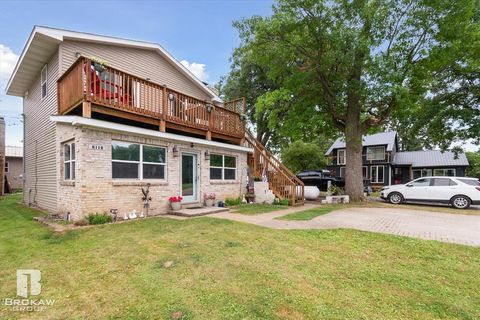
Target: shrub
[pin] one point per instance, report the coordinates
(336, 190)
(282, 202)
(99, 218)
(230, 202)
(300, 156)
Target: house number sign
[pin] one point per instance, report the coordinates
(95, 147)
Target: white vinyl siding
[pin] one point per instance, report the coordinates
(375, 153)
(341, 157)
(144, 63)
(40, 142)
(377, 174)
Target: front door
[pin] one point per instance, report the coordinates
(189, 177)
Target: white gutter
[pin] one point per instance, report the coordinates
(122, 128)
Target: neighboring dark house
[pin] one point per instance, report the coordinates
(384, 165)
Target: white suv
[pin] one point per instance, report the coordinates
(459, 192)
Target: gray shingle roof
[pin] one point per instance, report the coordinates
(381, 138)
(430, 158)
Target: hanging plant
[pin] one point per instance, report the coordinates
(99, 64)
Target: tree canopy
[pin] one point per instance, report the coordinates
(301, 156)
(350, 66)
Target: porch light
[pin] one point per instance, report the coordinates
(175, 151)
(210, 108)
(171, 96)
(207, 155)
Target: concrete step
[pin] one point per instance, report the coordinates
(198, 211)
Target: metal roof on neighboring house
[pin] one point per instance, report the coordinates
(430, 158)
(387, 138)
(11, 151)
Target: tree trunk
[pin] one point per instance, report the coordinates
(353, 142)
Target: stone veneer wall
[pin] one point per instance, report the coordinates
(94, 190)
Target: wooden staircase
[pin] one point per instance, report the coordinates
(281, 181)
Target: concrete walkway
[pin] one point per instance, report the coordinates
(446, 227)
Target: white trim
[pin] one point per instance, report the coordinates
(44, 82)
(61, 35)
(383, 174)
(376, 147)
(223, 168)
(344, 157)
(140, 162)
(122, 128)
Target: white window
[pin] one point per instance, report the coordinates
(422, 173)
(43, 82)
(376, 174)
(444, 172)
(376, 153)
(6, 167)
(69, 161)
(342, 172)
(341, 157)
(223, 167)
(136, 161)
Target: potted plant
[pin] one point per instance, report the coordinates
(98, 64)
(209, 199)
(175, 202)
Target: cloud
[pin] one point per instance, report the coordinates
(8, 59)
(198, 69)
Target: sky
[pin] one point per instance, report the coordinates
(199, 33)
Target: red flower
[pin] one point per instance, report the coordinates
(175, 199)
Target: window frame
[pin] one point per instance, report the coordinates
(71, 162)
(223, 167)
(44, 82)
(344, 151)
(7, 167)
(370, 153)
(444, 170)
(140, 162)
(365, 169)
(376, 175)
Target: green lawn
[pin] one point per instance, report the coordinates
(257, 208)
(228, 270)
(309, 214)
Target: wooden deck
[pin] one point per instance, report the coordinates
(115, 93)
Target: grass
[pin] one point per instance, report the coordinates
(309, 214)
(227, 270)
(257, 208)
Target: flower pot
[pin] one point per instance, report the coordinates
(209, 202)
(176, 206)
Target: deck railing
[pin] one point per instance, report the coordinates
(108, 87)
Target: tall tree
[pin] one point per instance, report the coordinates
(350, 64)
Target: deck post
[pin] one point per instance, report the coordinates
(162, 125)
(209, 135)
(87, 109)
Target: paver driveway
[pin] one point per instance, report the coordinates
(447, 227)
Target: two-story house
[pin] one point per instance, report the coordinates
(105, 116)
(383, 164)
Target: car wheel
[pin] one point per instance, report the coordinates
(460, 202)
(395, 198)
